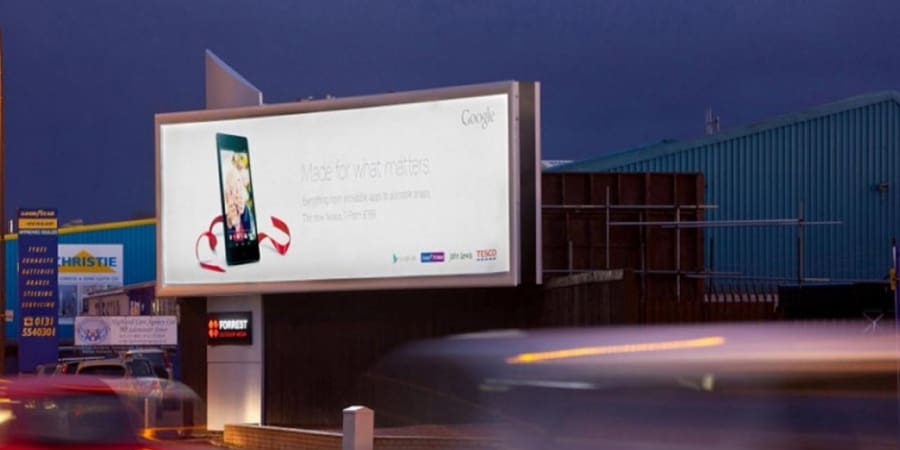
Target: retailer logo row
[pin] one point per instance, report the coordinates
(481, 255)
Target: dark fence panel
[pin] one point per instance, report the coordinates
(580, 234)
(192, 346)
(319, 346)
(591, 299)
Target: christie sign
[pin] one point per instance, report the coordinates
(86, 268)
(229, 328)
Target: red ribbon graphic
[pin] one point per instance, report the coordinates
(281, 248)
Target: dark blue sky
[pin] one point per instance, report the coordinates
(82, 79)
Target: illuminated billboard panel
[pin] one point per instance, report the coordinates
(403, 190)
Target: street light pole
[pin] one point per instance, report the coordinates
(2, 223)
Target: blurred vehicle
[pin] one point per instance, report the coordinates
(157, 357)
(160, 377)
(748, 386)
(137, 371)
(184, 418)
(69, 412)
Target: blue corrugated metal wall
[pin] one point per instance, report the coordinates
(832, 160)
(138, 240)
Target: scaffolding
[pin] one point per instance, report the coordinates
(678, 225)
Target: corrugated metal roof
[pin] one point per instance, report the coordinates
(614, 159)
(669, 146)
(840, 160)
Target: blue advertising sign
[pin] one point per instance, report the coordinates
(38, 287)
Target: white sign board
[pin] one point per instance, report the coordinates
(414, 193)
(126, 331)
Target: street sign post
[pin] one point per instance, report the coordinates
(38, 287)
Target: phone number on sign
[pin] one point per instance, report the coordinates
(39, 332)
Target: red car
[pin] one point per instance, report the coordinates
(67, 412)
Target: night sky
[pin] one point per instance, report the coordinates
(82, 79)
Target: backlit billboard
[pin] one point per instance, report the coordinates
(415, 189)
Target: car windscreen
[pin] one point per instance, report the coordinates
(111, 370)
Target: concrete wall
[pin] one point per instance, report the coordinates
(235, 373)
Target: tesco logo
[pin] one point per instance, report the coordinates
(489, 254)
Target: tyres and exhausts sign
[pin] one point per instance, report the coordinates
(38, 288)
(229, 328)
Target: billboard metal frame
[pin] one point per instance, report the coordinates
(524, 191)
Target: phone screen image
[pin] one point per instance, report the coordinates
(238, 204)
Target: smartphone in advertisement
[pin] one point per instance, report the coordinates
(236, 196)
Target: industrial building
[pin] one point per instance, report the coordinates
(134, 245)
(822, 183)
